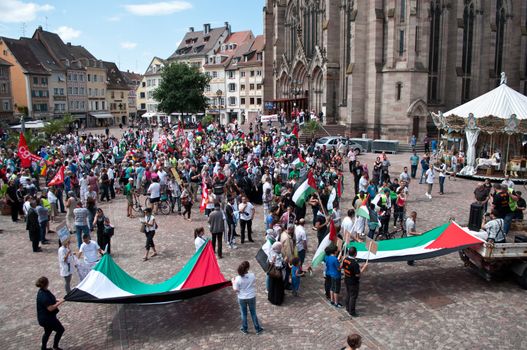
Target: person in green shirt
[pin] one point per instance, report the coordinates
(278, 188)
(129, 193)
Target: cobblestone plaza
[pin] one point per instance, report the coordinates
(436, 304)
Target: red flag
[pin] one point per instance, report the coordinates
(200, 128)
(339, 187)
(295, 131)
(186, 144)
(23, 152)
(204, 198)
(332, 231)
(311, 180)
(58, 179)
(180, 130)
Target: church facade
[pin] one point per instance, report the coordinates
(378, 67)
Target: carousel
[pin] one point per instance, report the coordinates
(493, 127)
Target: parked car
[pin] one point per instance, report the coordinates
(331, 142)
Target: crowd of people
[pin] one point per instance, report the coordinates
(228, 173)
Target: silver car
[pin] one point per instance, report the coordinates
(331, 142)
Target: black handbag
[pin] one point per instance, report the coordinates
(273, 271)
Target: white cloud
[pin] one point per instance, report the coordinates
(67, 33)
(14, 11)
(158, 8)
(128, 45)
(114, 18)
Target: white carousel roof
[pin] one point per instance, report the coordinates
(502, 102)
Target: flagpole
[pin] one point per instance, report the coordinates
(321, 204)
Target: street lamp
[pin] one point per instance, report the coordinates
(219, 93)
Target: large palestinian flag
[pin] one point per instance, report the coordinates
(108, 283)
(442, 240)
(302, 193)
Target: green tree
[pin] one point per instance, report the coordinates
(207, 120)
(181, 89)
(34, 139)
(58, 126)
(311, 128)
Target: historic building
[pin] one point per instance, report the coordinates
(223, 91)
(6, 96)
(116, 94)
(197, 46)
(57, 89)
(75, 72)
(133, 80)
(379, 67)
(28, 77)
(145, 92)
(249, 71)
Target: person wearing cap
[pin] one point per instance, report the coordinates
(150, 231)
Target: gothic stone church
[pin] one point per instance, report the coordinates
(380, 66)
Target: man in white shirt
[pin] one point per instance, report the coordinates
(409, 226)
(246, 209)
(347, 225)
(363, 183)
(111, 177)
(508, 182)
(162, 177)
(430, 176)
(90, 249)
(352, 157)
(301, 240)
(154, 190)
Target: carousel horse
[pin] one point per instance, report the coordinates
(495, 160)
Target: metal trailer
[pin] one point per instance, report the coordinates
(490, 260)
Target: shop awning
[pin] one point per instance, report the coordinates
(33, 124)
(102, 115)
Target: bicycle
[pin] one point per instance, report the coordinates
(164, 205)
(137, 204)
(401, 228)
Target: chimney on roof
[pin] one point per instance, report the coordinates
(69, 44)
(206, 28)
(228, 27)
(39, 28)
(191, 29)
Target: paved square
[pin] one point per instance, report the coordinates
(436, 304)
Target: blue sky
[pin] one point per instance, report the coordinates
(129, 32)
